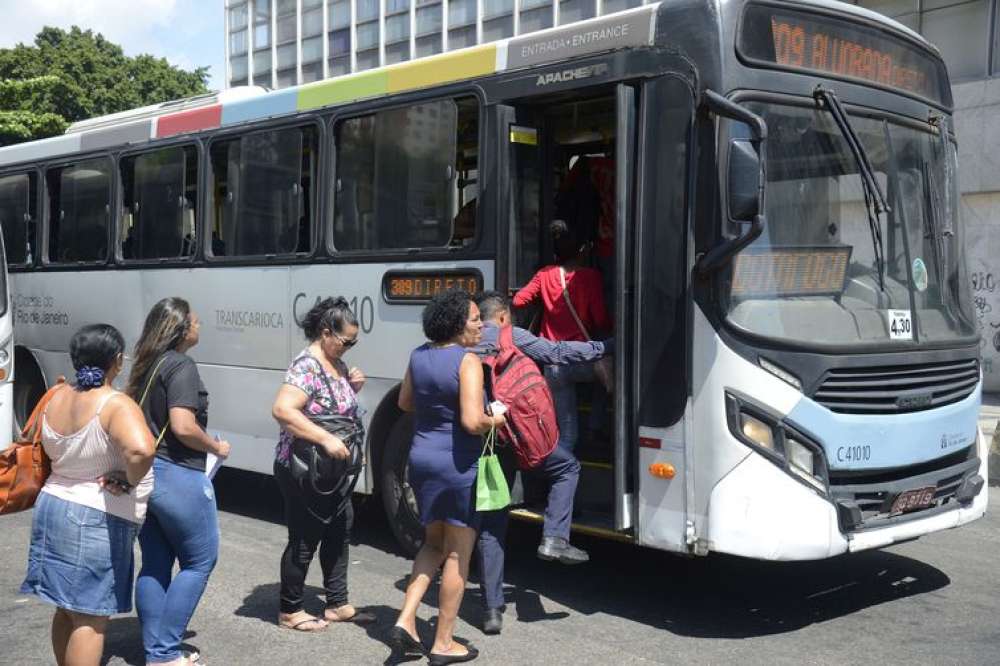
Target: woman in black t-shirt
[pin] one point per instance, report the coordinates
(181, 522)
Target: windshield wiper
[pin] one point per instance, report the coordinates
(875, 203)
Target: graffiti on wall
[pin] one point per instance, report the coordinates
(984, 286)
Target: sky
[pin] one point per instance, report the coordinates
(188, 33)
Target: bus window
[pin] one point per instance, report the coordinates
(263, 193)
(79, 205)
(408, 177)
(160, 193)
(17, 216)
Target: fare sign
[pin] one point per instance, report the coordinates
(838, 47)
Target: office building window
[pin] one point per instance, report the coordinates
(238, 67)
(238, 17)
(312, 71)
(398, 52)
(286, 7)
(286, 29)
(367, 59)
(237, 82)
(612, 6)
(960, 30)
(461, 12)
(571, 11)
(397, 28)
(311, 4)
(428, 45)
(498, 28)
(312, 23)
(340, 14)
(238, 42)
(312, 49)
(396, 6)
(368, 36)
(340, 43)
(461, 38)
(261, 25)
(536, 19)
(339, 66)
(367, 10)
(428, 19)
(287, 78)
(262, 65)
(286, 56)
(493, 8)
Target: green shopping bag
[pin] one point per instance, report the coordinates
(491, 484)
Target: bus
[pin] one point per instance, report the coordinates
(797, 371)
(7, 424)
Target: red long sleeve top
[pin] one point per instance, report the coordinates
(586, 294)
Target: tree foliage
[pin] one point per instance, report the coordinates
(72, 75)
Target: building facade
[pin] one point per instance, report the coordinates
(279, 43)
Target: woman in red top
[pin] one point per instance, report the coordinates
(572, 309)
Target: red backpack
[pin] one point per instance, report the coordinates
(531, 429)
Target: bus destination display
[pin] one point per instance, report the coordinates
(420, 286)
(801, 41)
(790, 271)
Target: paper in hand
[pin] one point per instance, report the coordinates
(212, 464)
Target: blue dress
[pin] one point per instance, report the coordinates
(443, 457)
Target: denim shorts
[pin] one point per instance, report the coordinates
(80, 559)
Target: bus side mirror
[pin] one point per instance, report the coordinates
(743, 182)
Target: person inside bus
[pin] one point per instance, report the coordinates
(444, 388)
(560, 470)
(89, 510)
(318, 382)
(182, 525)
(572, 310)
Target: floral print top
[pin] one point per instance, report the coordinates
(307, 373)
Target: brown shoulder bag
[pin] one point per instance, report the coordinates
(24, 465)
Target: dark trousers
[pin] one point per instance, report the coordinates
(305, 534)
(561, 471)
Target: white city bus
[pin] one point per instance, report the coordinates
(797, 372)
(7, 425)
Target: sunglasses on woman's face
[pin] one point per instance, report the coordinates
(346, 342)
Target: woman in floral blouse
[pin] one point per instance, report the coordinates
(318, 382)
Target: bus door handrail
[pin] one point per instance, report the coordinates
(721, 254)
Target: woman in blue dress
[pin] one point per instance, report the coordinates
(444, 387)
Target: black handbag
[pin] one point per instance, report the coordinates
(327, 482)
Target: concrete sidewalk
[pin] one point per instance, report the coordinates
(989, 416)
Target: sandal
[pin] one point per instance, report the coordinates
(360, 617)
(301, 625)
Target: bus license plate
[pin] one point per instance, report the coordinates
(913, 500)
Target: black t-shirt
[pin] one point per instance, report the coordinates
(177, 384)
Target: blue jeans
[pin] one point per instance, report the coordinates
(561, 470)
(562, 382)
(181, 525)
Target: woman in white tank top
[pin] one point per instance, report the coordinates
(90, 508)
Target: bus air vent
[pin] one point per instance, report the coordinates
(897, 389)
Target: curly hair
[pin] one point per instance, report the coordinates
(445, 316)
(329, 314)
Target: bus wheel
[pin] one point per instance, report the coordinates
(29, 387)
(397, 496)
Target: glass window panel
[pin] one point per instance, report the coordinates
(398, 52)
(461, 38)
(340, 66)
(17, 216)
(340, 14)
(536, 19)
(159, 196)
(961, 33)
(428, 19)
(461, 12)
(312, 23)
(238, 42)
(262, 64)
(238, 67)
(312, 71)
(340, 42)
(367, 10)
(262, 11)
(79, 211)
(421, 3)
(428, 45)
(394, 6)
(398, 175)
(397, 28)
(286, 7)
(311, 4)
(368, 35)
(611, 6)
(263, 189)
(497, 7)
(312, 49)
(287, 78)
(576, 10)
(286, 29)
(261, 36)
(530, 4)
(237, 82)
(498, 28)
(367, 59)
(286, 56)
(238, 17)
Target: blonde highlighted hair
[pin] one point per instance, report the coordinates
(166, 326)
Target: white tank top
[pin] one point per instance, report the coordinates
(81, 458)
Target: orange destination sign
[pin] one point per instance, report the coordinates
(420, 286)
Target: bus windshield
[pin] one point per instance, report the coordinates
(813, 276)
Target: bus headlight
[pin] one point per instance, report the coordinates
(782, 443)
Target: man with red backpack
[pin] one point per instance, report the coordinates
(539, 457)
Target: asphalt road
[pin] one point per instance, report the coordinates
(933, 601)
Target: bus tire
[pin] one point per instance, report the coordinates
(397, 496)
(29, 387)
